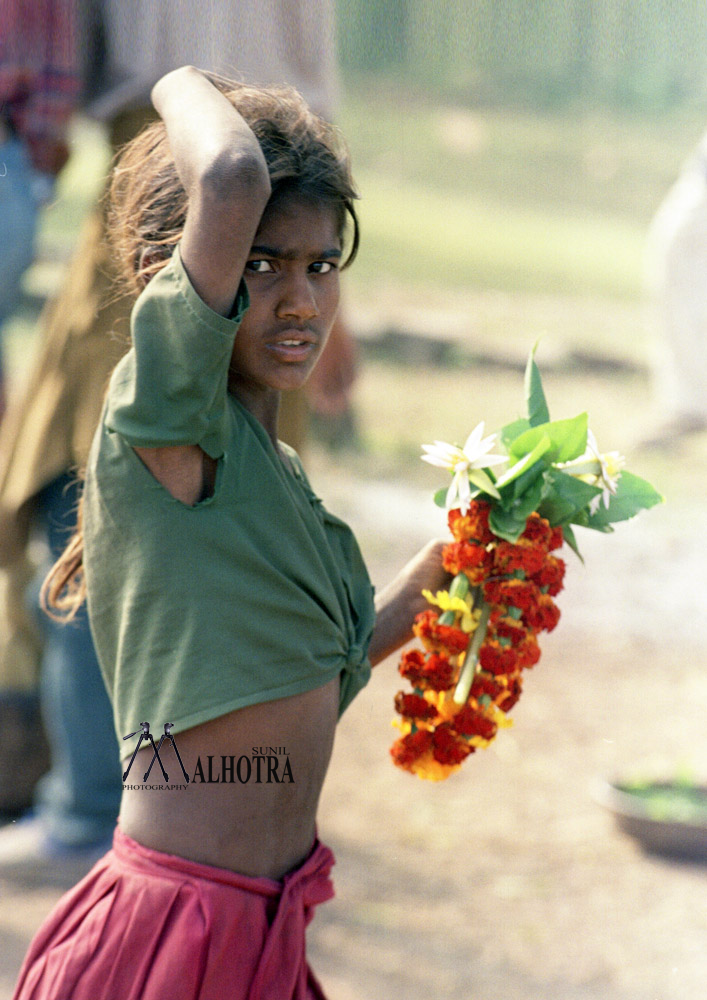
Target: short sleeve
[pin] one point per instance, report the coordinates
(171, 388)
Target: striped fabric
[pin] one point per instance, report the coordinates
(40, 76)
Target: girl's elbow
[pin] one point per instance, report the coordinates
(231, 177)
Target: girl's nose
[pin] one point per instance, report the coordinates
(298, 298)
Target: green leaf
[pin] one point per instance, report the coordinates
(569, 537)
(568, 439)
(509, 523)
(511, 431)
(564, 496)
(536, 404)
(440, 498)
(525, 462)
(506, 524)
(482, 481)
(526, 480)
(633, 494)
(582, 519)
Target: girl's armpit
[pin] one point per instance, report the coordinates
(185, 471)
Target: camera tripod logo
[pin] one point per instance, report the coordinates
(146, 735)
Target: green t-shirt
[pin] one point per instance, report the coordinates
(253, 594)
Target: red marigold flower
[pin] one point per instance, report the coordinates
(528, 652)
(497, 659)
(408, 749)
(472, 526)
(482, 685)
(551, 575)
(543, 615)
(439, 672)
(429, 671)
(556, 538)
(493, 595)
(447, 747)
(436, 637)
(468, 558)
(414, 706)
(512, 593)
(412, 665)
(528, 556)
(471, 722)
(512, 693)
(509, 628)
(537, 529)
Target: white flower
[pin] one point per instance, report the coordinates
(597, 469)
(467, 466)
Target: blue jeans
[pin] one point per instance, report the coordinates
(79, 798)
(22, 190)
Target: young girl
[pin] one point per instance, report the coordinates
(223, 597)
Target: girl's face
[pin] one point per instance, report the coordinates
(292, 276)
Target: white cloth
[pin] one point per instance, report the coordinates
(133, 43)
(677, 282)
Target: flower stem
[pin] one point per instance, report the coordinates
(466, 678)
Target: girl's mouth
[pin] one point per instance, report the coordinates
(293, 349)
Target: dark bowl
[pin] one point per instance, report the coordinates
(657, 831)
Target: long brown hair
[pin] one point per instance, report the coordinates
(147, 207)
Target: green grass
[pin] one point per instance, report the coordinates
(458, 197)
(419, 235)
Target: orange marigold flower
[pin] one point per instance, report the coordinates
(551, 575)
(414, 706)
(472, 526)
(543, 615)
(526, 555)
(537, 529)
(407, 749)
(471, 722)
(447, 747)
(436, 637)
(497, 659)
(467, 557)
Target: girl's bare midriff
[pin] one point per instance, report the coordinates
(258, 828)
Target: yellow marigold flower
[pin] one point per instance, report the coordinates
(462, 606)
(431, 770)
(446, 706)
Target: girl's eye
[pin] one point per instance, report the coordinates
(322, 266)
(259, 266)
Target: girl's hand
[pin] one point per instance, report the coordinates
(399, 602)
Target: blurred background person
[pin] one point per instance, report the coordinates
(677, 286)
(39, 90)
(127, 46)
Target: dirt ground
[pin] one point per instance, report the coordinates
(509, 880)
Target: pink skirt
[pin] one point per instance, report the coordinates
(144, 925)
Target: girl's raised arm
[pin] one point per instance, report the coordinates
(224, 173)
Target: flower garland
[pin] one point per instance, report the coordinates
(480, 636)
